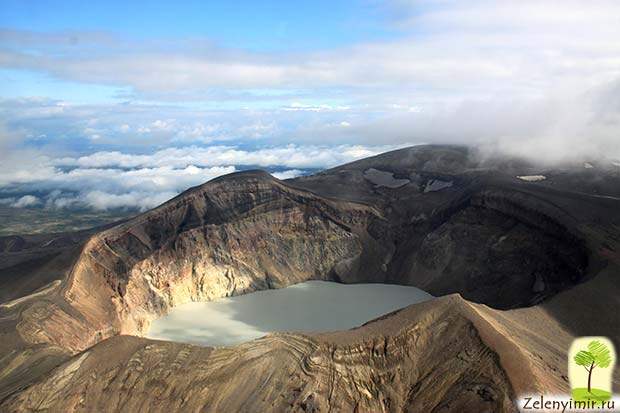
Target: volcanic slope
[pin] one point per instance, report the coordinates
(521, 266)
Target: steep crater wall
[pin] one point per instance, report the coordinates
(501, 248)
(229, 237)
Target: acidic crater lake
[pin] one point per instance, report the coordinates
(308, 306)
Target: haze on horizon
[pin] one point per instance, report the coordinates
(124, 105)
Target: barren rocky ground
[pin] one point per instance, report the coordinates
(521, 267)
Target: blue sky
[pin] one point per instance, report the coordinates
(247, 24)
(268, 26)
(305, 85)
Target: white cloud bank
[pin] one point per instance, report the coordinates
(292, 156)
(22, 202)
(108, 180)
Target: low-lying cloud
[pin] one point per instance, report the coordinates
(109, 180)
(21, 202)
(291, 156)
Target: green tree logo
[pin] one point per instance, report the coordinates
(597, 356)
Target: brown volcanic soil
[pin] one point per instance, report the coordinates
(535, 264)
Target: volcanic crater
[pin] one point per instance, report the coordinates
(514, 264)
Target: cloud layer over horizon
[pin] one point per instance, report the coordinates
(108, 180)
